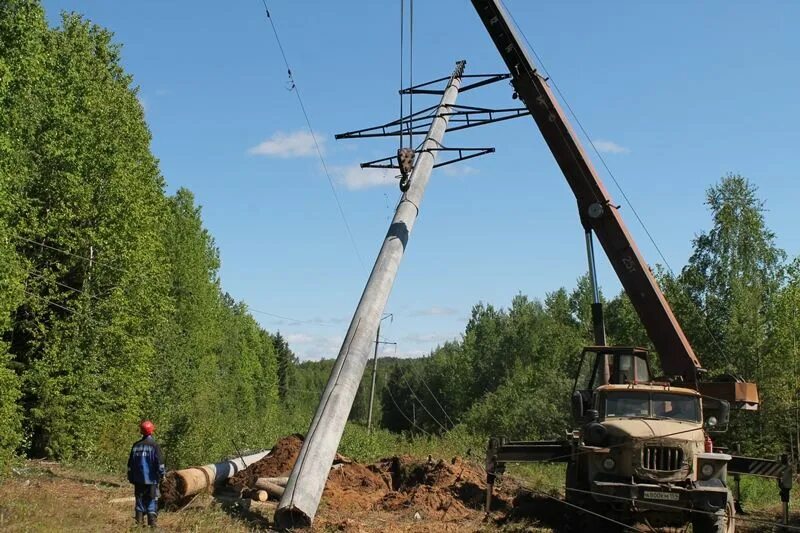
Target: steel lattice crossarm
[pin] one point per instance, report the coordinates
(463, 154)
(483, 80)
(417, 123)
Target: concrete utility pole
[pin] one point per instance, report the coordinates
(307, 480)
(375, 372)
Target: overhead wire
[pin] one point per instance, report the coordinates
(296, 91)
(421, 403)
(650, 237)
(402, 413)
(435, 399)
(38, 273)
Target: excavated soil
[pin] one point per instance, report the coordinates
(395, 490)
(278, 463)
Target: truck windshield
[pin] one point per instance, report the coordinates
(652, 405)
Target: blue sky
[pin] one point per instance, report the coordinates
(679, 93)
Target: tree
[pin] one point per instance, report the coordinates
(287, 361)
(734, 278)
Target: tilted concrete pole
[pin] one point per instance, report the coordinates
(307, 480)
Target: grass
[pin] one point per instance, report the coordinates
(42, 497)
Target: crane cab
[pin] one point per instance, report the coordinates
(607, 365)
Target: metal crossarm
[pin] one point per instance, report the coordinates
(463, 155)
(484, 79)
(461, 117)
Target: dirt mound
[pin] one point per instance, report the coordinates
(352, 487)
(278, 463)
(438, 489)
(417, 490)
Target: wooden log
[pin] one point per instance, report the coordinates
(281, 481)
(126, 499)
(274, 490)
(260, 495)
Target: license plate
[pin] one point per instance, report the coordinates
(652, 495)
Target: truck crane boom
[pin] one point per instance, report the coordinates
(597, 210)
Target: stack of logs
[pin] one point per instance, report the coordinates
(267, 488)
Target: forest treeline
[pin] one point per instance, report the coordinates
(512, 370)
(110, 301)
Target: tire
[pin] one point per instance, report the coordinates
(576, 521)
(723, 521)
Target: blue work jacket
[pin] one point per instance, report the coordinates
(146, 462)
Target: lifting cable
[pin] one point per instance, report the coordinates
(650, 237)
(409, 125)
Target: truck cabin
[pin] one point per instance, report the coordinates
(648, 402)
(608, 365)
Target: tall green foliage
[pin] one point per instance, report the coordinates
(111, 303)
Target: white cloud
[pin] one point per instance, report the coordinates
(610, 147)
(435, 310)
(287, 145)
(299, 338)
(431, 339)
(308, 346)
(356, 178)
(458, 170)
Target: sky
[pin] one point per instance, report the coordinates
(673, 94)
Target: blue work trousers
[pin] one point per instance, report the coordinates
(146, 498)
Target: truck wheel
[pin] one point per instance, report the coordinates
(723, 521)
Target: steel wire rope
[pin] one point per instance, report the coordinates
(421, 403)
(55, 248)
(435, 399)
(578, 507)
(402, 31)
(296, 91)
(78, 256)
(696, 511)
(50, 302)
(39, 274)
(618, 185)
(526, 486)
(402, 413)
(411, 70)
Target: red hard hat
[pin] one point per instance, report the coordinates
(147, 427)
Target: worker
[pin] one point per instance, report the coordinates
(145, 471)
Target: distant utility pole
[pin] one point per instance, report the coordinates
(375, 371)
(310, 472)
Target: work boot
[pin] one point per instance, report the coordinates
(152, 519)
(139, 518)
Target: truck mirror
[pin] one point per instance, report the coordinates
(577, 405)
(716, 414)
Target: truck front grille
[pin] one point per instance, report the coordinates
(662, 458)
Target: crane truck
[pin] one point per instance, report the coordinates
(640, 450)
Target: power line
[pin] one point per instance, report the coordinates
(435, 399)
(296, 90)
(290, 319)
(421, 403)
(39, 274)
(91, 260)
(64, 307)
(399, 410)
